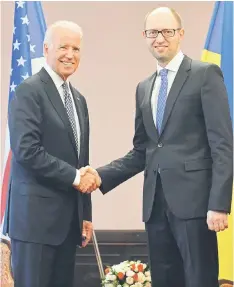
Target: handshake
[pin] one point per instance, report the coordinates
(89, 180)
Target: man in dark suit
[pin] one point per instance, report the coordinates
(183, 142)
(49, 134)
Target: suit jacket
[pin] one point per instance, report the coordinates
(194, 151)
(41, 199)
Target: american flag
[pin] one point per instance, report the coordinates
(27, 59)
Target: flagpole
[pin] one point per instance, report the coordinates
(98, 256)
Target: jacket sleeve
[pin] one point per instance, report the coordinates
(220, 136)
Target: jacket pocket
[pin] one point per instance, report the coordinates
(198, 164)
(30, 189)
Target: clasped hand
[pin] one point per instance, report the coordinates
(89, 180)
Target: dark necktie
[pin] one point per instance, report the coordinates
(70, 112)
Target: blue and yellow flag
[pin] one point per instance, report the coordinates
(219, 50)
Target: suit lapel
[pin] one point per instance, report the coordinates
(177, 85)
(148, 116)
(57, 103)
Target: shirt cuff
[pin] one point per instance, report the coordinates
(77, 178)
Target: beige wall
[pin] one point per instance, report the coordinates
(114, 60)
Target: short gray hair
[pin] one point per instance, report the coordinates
(62, 24)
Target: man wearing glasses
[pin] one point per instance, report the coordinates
(183, 142)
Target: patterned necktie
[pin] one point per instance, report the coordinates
(70, 111)
(162, 98)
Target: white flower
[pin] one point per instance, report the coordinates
(148, 278)
(130, 280)
(120, 268)
(141, 277)
(130, 273)
(111, 277)
(125, 267)
(147, 273)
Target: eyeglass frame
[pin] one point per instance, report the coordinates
(161, 32)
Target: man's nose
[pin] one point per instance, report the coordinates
(69, 53)
(160, 38)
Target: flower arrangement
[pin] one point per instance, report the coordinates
(127, 274)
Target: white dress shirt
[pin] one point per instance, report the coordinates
(58, 81)
(172, 67)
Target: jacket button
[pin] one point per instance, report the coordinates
(160, 145)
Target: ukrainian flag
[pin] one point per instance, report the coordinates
(219, 50)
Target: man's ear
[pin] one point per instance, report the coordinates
(45, 49)
(181, 32)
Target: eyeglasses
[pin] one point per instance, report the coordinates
(167, 33)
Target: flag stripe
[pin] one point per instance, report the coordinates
(227, 52)
(5, 184)
(214, 37)
(211, 57)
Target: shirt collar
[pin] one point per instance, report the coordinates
(58, 81)
(174, 64)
